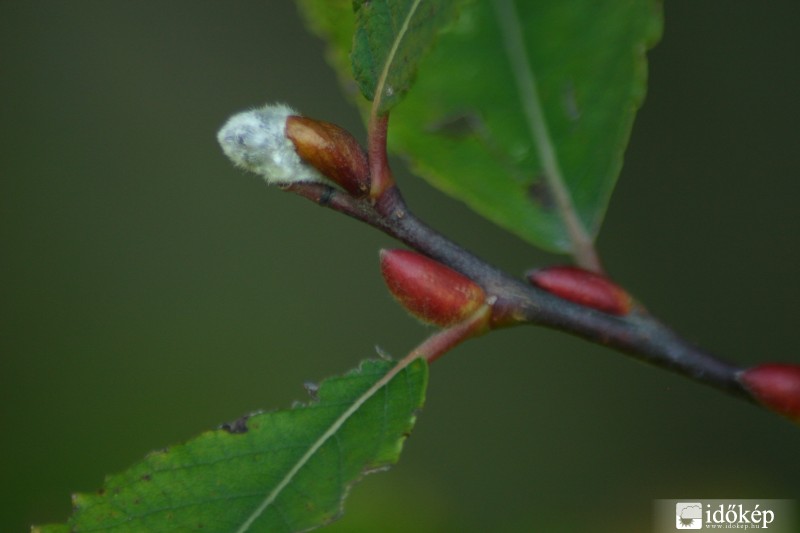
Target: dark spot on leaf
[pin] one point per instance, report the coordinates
(101, 492)
(237, 426)
(539, 193)
(146, 477)
(456, 126)
(570, 103)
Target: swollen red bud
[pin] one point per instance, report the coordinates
(332, 151)
(583, 287)
(429, 290)
(776, 387)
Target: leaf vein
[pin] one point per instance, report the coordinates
(331, 431)
(380, 87)
(513, 40)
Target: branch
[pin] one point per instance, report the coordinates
(303, 155)
(638, 334)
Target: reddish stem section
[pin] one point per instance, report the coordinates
(445, 340)
(380, 173)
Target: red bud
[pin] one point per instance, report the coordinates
(583, 287)
(331, 150)
(429, 290)
(776, 387)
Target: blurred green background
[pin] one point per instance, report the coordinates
(150, 291)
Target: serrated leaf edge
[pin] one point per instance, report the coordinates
(317, 444)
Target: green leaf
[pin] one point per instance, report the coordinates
(281, 471)
(391, 37)
(388, 40)
(470, 125)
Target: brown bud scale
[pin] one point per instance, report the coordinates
(331, 150)
(429, 290)
(583, 287)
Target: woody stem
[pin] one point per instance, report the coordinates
(637, 334)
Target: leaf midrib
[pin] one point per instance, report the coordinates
(379, 87)
(581, 241)
(317, 444)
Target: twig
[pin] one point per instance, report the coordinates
(637, 334)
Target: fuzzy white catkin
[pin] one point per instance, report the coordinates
(256, 140)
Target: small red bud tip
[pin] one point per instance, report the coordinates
(583, 287)
(429, 290)
(776, 387)
(331, 150)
